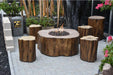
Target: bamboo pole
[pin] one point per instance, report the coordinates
(26, 10)
(62, 8)
(47, 9)
(44, 7)
(29, 6)
(40, 7)
(63, 11)
(21, 6)
(33, 3)
(58, 9)
(51, 7)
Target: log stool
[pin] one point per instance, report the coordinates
(85, 30)
(33, 29)
(97, 22)
(88, 48)
(27, 48)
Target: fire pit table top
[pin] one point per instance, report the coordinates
(72, 33)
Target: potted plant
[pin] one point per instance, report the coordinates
(46, 23)
(106, 66)
(12, 11)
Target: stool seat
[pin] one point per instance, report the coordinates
(85, 30)
(33, 30)
(88, 48)
(27, 51)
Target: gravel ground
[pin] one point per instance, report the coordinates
(4, 64)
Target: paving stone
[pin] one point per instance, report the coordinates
(9, 43)
(8, 38)
(6, 23)
(7, 32)
(10, 48)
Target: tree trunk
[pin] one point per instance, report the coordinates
(27, 48)
(97, 22)
(88, 48)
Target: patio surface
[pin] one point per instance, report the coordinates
(45, 65)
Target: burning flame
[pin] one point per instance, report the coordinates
(61, 29)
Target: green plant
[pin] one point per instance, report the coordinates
(31, 20)
(43, 21)
(54, 13)
(108, 53)
(106, 4)
(46, 22)
(108, 59)
(11, 9)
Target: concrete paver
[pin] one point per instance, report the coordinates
(45, 65)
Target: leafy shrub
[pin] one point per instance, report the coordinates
(11, 9)
(31, 20)
(43, 21)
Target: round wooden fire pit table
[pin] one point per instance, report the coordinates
(62, 45)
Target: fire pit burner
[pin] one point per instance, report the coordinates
(58, 33)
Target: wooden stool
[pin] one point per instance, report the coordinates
(85, 30)
(88, 48)
(33, 29)
(97, 22)
(27, 48)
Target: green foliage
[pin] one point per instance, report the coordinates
(106, 7)
(37, 10)
(108, 47)
(54, 13)
(108, 59)
(11, 9)
(43, 21)
(31, 20)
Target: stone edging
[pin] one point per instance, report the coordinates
(9, 43)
